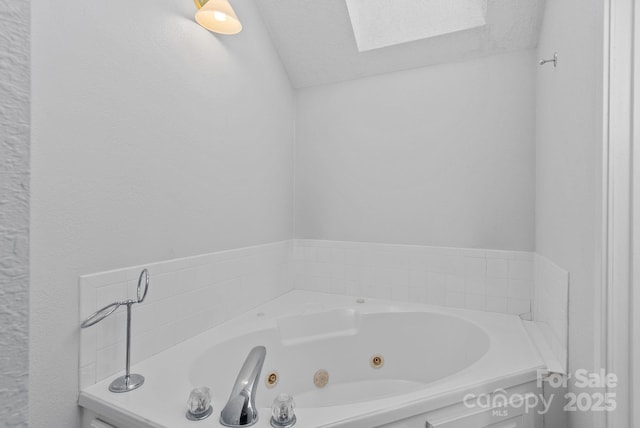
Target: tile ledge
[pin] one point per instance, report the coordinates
(553, 354)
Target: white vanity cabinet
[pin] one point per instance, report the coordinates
(490, 418)
(462, 416)
(97, 423)
(484, 419)
(457, 415)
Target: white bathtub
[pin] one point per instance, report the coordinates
(433, 356)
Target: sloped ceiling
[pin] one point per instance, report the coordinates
(382, 23)
(316, 41)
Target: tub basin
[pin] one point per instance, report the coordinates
(432, 356)
(417, 348)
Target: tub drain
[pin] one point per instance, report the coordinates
(321, 378)
(272, 379)
(377, 361)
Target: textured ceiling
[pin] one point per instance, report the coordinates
(316, 43)
(381, 23)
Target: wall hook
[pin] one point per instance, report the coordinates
(554, 60)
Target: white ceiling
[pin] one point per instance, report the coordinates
(316, 41)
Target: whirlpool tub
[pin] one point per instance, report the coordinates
(347, 362)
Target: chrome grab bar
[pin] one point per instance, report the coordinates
(129, 381)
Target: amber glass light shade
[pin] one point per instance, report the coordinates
(217, 16)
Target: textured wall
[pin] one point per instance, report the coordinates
(14, 212)
(152, 139)
(439, 156)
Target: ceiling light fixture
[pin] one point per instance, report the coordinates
(217, 16)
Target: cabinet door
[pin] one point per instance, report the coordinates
(97, 423)
(516, 422)
(482, 420)
(486, 418)
(461, 417)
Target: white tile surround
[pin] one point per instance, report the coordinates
(488, 280)
(188, 296)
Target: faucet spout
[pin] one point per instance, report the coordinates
(240, 410)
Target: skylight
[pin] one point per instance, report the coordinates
(380, 23)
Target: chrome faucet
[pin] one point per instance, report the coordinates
(240, 410)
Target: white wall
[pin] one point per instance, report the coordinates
(440, 156)
(14, 212)
(152, 139)
(568, 159)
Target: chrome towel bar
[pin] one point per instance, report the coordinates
(129, 381)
